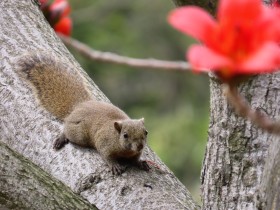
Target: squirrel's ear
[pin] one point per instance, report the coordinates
(118, 126)
(142, 120)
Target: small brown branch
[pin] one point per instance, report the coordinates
(245, 110)
(123, 60)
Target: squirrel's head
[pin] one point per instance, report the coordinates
(133, 135)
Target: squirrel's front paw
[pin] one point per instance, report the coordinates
(117, 169)
(143, 165)
(60, 142)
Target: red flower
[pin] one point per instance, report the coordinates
(60, 8)
(243, 40)
(64, 26)
(57, 13)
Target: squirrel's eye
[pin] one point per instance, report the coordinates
(125, 135)
(146, 132)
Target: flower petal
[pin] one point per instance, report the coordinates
(239, 10)
(61, 7)
(268, 25)
(204, 59)
(193, 21)
(266, 59)
(64, 26)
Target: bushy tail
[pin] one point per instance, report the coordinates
(58, 88)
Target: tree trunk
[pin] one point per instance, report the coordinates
(28, 129)
(236, 150)
(269, 193)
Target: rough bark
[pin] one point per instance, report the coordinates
(269, 192)
(21, 181)
(236, 150)
(29, 129)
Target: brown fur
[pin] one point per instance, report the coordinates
(57, 92)
(87, 122)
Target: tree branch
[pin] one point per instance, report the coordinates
(123, 60)
(245, 110)
(18, 175)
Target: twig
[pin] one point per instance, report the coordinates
(117, 59)
(242, 108)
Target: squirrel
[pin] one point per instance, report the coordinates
(87, 122)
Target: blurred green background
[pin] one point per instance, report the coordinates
(175, 105)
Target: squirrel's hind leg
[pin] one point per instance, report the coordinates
(60, 142)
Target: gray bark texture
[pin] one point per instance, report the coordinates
(236, 150)
(29, 130)
(269, 192)
(26, 186)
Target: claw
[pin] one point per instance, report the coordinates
(117, 169)
(60, 142)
